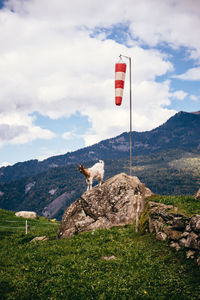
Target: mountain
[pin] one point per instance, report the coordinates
(180, 132)
(166, 159)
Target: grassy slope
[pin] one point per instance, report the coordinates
(144, 268)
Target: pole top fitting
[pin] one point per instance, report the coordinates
(124, 56)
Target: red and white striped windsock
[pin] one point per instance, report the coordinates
(120, 72)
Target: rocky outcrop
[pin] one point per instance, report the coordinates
(26, 214)
(116, 202)
(168, 224)
(197, 195)
(40, 239)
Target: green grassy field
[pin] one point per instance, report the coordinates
(143, 268)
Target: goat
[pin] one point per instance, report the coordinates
(95, 172)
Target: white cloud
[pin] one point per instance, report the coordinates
(4, 164)
(69, 135)
(172, 22)
(17, 128)
(147, 113)
(50, 64)
(180, 95)
(194, 98)
(192, 74)
(46, 153)
(151, 21)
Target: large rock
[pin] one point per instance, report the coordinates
(163, 218)
(192, 241)
(26, 214)
(113, 203)
(195, 223)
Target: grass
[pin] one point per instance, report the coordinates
(143, 268)
(187, 205)
(10, 225)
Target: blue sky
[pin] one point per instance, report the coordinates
(57, 70)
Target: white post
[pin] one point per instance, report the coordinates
(26, 227)
(138, 210)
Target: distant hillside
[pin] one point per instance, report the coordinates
(166, 159)
(168, 172)
(179, 132)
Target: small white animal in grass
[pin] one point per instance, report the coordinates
(95, 172)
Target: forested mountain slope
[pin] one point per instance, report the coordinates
(181, 131)
(169, 172)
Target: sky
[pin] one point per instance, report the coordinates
(57, 60)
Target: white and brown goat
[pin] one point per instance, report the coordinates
(95, 172)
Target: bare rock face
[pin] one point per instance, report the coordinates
(52, 209)
(115, 202)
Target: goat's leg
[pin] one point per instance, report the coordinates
(100, 181)
(88, 184)
(91, 181)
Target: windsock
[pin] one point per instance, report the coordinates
(120, 72)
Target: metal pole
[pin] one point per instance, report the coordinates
(131, 159)
(130, 119)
